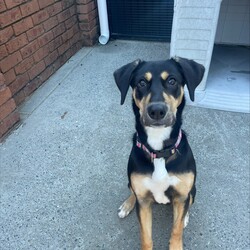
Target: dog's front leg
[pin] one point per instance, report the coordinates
(144, 212)
(180, 207)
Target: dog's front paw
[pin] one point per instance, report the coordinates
(161, 199)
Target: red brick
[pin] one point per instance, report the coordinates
(69, 53)
(89, 38)
(46, 73)
(29, 49)
(70, 22)
(83, 1)
(62, 60)
(9, 76)
(45, 3)
(5, 95)
(2, 6)
(8, 123)
(51, 58)
(72, 10)
(75, 38)
(19, 83)
(76, 28)
(40, 16)
(31, 86)
(75, 47)
(13, 3)
(19, 97)
(54, 9)
(35, 32)
(29, 8)
(58, 63)
(36, 70)
(2, 80)
(65, 46)
(17, 43)
(24, 65)
(9, 17)
(41, 53)
(3, 51)
(67, 35)
(62, 16)
(23, 25)
(50, 23)
(7, 108)
(44, 39)
(5, 35)
(67, 3)
(10, 61)
(59, 29)
(88, 26)
(86, 8)
(55, 43)
(88, 17)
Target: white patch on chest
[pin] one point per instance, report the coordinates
(160, 181)
(156, 136)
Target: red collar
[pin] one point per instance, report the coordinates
(164, 153)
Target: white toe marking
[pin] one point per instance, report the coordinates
(186, 219)
(124, 210)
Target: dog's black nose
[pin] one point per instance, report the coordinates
(157, 111)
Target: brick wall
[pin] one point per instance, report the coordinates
(36, 38)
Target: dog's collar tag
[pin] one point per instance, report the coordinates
(165, 153)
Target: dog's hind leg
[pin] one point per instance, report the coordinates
(127, 205)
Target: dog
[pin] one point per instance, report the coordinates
(161, 165)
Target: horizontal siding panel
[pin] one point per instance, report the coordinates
(195, 12)
(192, 44)
(199, 24)
(194, 34)
(194, 54)
(198, 3)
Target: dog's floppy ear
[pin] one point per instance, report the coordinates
(123, 77)
(193, 73)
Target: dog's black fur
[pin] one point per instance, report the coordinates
(158, 102)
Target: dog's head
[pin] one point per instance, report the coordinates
(158, 87)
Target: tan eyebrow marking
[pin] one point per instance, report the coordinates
(164, 75)
(148, 76)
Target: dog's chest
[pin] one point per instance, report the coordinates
(160, 181)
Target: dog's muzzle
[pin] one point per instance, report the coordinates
(158, 114)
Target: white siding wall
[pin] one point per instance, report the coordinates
(234, 23)
(193, 31)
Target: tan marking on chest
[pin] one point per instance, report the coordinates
(186, 183)
(156, 184)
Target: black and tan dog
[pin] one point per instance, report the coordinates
(161, 166)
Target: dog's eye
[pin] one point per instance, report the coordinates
(172, 81)
(142, 84)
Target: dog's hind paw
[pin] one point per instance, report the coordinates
(126, 207)
(186, 219)
(122, 213)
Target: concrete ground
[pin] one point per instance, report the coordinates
(63, 171)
